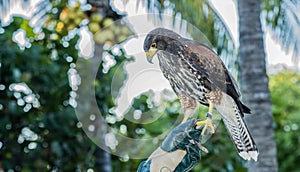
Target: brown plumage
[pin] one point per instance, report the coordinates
(197, 74)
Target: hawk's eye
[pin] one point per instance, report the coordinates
(153, 45)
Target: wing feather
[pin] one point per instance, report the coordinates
(207, 62)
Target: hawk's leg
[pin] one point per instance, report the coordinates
(207, 122)
(189, 106)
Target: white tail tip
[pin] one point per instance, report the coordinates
(253, 155)
(249, 155)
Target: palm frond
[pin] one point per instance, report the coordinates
(283, 17)
(31, 11)
(40, 9)
(6, 9)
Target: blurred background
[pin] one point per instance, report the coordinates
(40, 79)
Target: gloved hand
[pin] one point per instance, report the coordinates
(179, 152)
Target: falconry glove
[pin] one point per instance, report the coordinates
(179, 152)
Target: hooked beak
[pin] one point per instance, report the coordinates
(150, 54)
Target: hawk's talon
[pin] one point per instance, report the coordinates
(207, 124)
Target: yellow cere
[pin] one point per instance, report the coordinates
(151, 52)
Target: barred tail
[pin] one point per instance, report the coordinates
(242, 139)
(237, 128)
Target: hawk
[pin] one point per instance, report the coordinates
(197, 74)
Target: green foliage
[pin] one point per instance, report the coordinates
(159, 124)
(285, 89)
(59, 142)
(45, 136)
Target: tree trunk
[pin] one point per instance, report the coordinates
(103, 158)
(103, 161)
(254, 85)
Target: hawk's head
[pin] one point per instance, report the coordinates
(158, 39)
